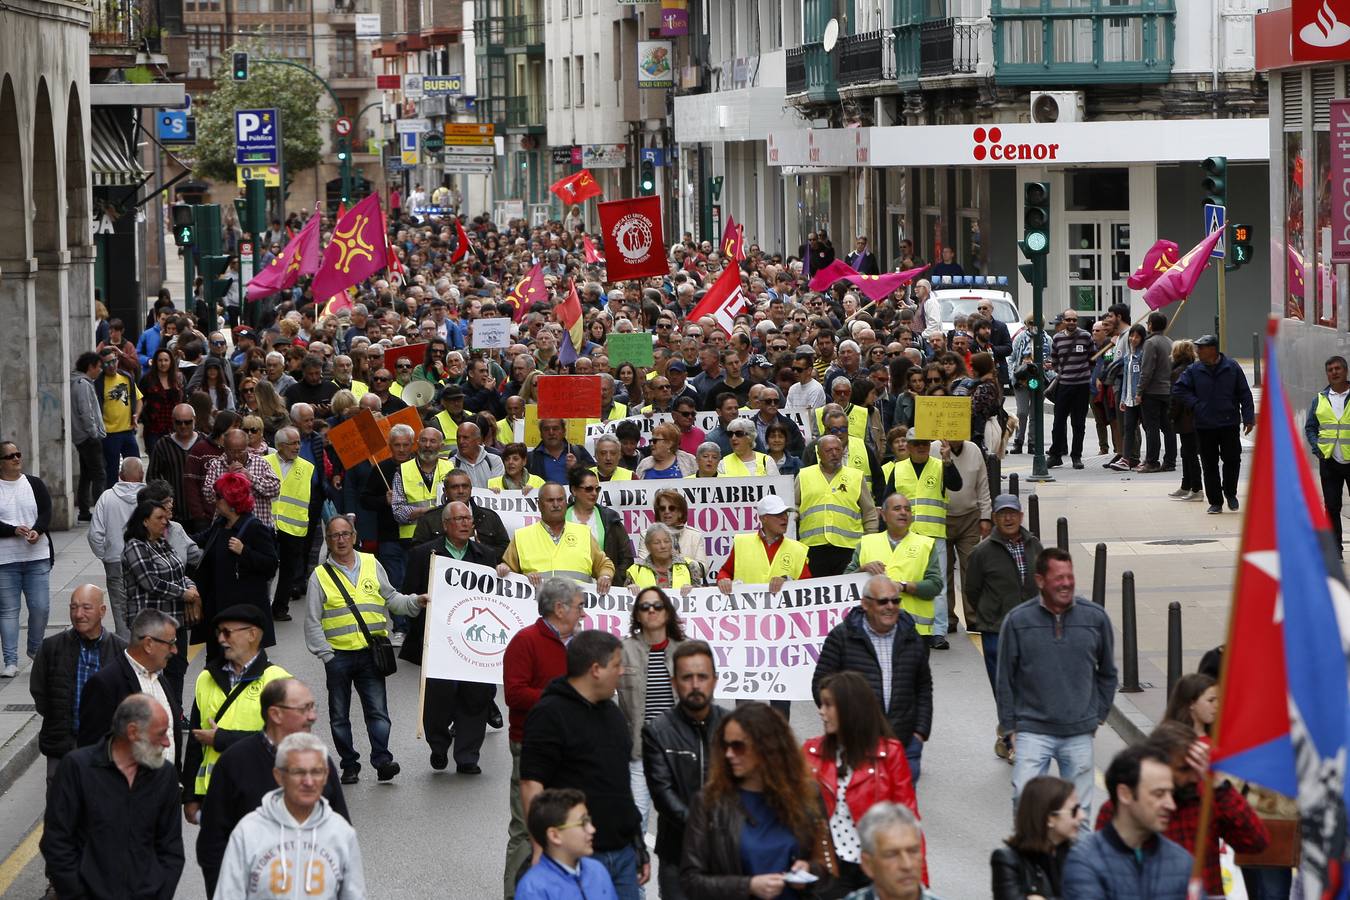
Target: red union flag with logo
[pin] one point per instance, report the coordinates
(576, 187)
(724, 300)
(632, 230)
(1320, 30)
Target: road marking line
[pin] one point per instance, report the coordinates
(17, 861)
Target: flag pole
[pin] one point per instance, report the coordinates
(1195, 889)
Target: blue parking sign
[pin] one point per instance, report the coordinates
(256, 133)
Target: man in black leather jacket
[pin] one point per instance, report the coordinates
(675, 750)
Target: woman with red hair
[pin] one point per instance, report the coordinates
(239, 555)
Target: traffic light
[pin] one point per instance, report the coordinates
(255, 217)
(1240, 252)
(184, 226)
(647, 178)
(1035, 243)
(240, 66)
(1216, 180)
(343, 151)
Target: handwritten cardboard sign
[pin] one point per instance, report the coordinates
(942, 418)
(406, 416)
(630, 348)
(351, 440)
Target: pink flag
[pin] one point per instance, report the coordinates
(357, 250)
(878, 287)
(835, 271)
(1180, 279)
(301, 257)
(1159, 258)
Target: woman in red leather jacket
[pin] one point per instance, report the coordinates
(857, 763)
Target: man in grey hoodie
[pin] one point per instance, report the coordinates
(111, 514)
(318, 853)
(1155, 396)
(87, 431)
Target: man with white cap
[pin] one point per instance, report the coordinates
(767, 556)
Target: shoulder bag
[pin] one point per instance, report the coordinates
(386, 663)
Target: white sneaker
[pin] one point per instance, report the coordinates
(9, 671)
(1179, 494)
(396, 639)
(1196, 495)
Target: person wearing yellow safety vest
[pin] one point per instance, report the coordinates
(907, 557)
(662, 567)
(609, 410)
(418, 482)
(835, 509)
(290, 510)
(506, 426)
(452, 415)
(841, 392)
(608, 451)
(857, 454)
(1327, 429)
(514, 477)
(342, 377)
(348, 585)
(555, 547)
(744, 460)
(226, 706)
(766, 556)
(604, 523)
(928, 482)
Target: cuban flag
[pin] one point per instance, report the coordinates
(1285, 717)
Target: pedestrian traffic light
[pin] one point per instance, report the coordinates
(184, 227)
(240, 66)
(213, 266)
(647, 178)
(1241, 245)
(1216, 180)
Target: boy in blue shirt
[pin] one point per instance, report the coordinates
(559, 823)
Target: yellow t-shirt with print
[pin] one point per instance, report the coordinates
(119, 393)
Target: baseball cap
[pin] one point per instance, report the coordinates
(677, 366)
(1206, 340)
(1007, 501)
(759, 360)
(771, 505)
(246, 332)
(913, 435)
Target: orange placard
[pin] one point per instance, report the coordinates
(349, 440)
(406, 416)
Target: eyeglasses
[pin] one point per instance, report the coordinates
(579, 823)
(378, 378)
(588, 488)
(882, 601)
(185, 421)
(799, 368)
(737, 748)
(228, 633)
(304, 708)
(650, 607)
(246, 390)
(253, 431)
(301, 773)
(933, 379)
(15, 455)
(769, 401)
(160, 640)
(403, 367)
(341, 535)
(838, 429)
(683, 412)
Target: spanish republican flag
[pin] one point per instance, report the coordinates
(358, 249)
(574, 336)
(301, 257)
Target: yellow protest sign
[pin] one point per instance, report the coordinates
(942, 418)
(576, 428)
(271, 175)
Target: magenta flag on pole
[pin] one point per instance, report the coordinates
(835, 271)
(357, 249)
(301, 257)
(1180, 279)
(876, 287)
(1159, 258)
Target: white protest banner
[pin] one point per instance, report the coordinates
(766, 645)
(491, 334)
(644, 423)
(802, 416)
(719, 508)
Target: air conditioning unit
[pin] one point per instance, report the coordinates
(1057, 106)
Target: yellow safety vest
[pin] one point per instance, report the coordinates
(291, 507)
(498, 481)
(416, 492)
(617, 411)
(570, 557)
(244, 714)
(448, 428)
(857, 420)
(340, 628)
(830, 513)
(926, 495)
(1331, 430)
(396, 389)
(906, 562)
(506, 432)
(736, 468)
(620, 474)
(358, 389)
(641, 575)
(752, 559)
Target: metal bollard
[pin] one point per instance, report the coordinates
(1062, 533)
(1129, 637)
(1173, 645)
(1034, 514)
(1099, 576)
(995, 467)
(1012, 483)
(1256, 359)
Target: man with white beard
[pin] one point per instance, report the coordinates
(120, 779)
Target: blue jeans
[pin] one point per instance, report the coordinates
(989, 646)
(1073, 755)
(914, 754)
(31, 580)
(940, 601)
(117, 447)
(346, 669)
(622, 868)
(393, 555)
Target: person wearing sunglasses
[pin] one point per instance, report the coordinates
(807, 392)
(880, 628)
(1048, 822)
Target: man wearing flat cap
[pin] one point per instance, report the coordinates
(1215, 388)
(226, 707)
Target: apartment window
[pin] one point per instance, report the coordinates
(595, 73)
(567, 83)
(551, 86)
(1049, 42)
(344, 54)
(563, 14)
(581, 81)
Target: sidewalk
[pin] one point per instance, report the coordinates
(75, 565)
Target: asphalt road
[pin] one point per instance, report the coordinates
(441, 835)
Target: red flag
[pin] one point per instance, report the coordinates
(358, 249)
(733, 240)
(835, 271)
(301, 257)
(1179, 280)
(632, 230)
(527, 292)
(342, 210)
(1159, 258)
(878, 287)
(569, 314)
(576, 187)
(592, 255)
(724, 300)
(461, 242)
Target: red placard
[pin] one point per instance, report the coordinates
(634, 246)
(388, 82)
(415, 353)
(568, 396)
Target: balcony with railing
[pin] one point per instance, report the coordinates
(1047, 43)
(524, 34)
(795, 63)
(118, 27)
(818, 83)
(525, 114)
(942, 48)
(489, 34)
(350, 71)
(866, 58)
(491, 110)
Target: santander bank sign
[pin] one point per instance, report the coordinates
(1320, 30)
(990, 145)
